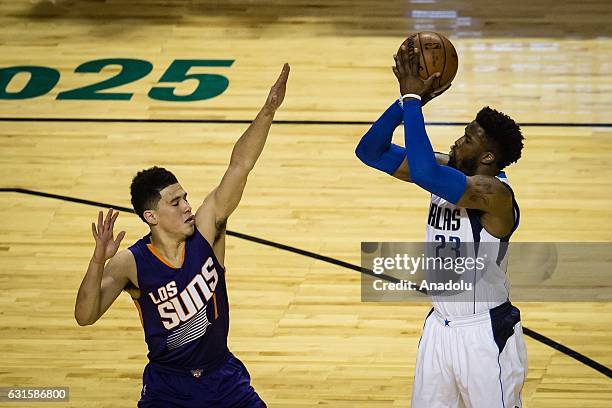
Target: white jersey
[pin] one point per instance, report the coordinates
(450, 226)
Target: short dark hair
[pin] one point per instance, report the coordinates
(146, 186)
(504, 132)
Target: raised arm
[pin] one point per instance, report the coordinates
(403, 172)
(481, 192)
(223, 200)
(376, 150)
(103, 281)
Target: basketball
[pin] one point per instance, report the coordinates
(437, 55)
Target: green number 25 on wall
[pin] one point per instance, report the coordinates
(43, 79)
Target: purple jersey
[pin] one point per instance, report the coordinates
(184, 311)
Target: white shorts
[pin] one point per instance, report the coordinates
(478, 361)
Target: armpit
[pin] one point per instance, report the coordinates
(221, 225)
(132, 290)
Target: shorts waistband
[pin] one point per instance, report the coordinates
(457, 321)
(473, 319)
(192, 372)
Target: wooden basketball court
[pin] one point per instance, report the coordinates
(297, 321)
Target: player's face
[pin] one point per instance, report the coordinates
(174, 212)
(466, 152)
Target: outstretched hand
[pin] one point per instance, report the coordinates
(106, 244)
(406, 70)
(277, 92)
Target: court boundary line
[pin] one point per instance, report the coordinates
(279, 122)
(528, 332)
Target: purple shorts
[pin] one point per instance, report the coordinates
(226, 386)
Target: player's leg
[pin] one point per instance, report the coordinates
(494, 364)
(240, 393)
(434, 384)
(513, 368)
(161, 390)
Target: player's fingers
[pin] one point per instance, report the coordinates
(100, 221)
(433, 76)
(396, 72)
(398, 65)
(282, 78)
(108, 218)
(93, 230)
(401, 65)
(112, 224)
(415, 62)
(119, 238)
(406, 57)
(403, 56)
(440, 91)
(429, 81)
(443, 89)
(105, 224)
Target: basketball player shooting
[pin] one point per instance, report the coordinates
(176, 277)
(471, 354)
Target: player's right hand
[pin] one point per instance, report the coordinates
(106, 244)
(277, 92)
(406, 70)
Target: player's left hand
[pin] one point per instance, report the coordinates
(277, 92)
(406, 71)
(434, 94)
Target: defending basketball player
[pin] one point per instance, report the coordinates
(176, 277)
(471, 353)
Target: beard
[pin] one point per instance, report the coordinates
(467, 166)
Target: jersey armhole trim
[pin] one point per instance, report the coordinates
(133, 249)
(137, 304)
(516, 213)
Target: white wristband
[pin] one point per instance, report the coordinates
(411, 96)
(400, 100)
